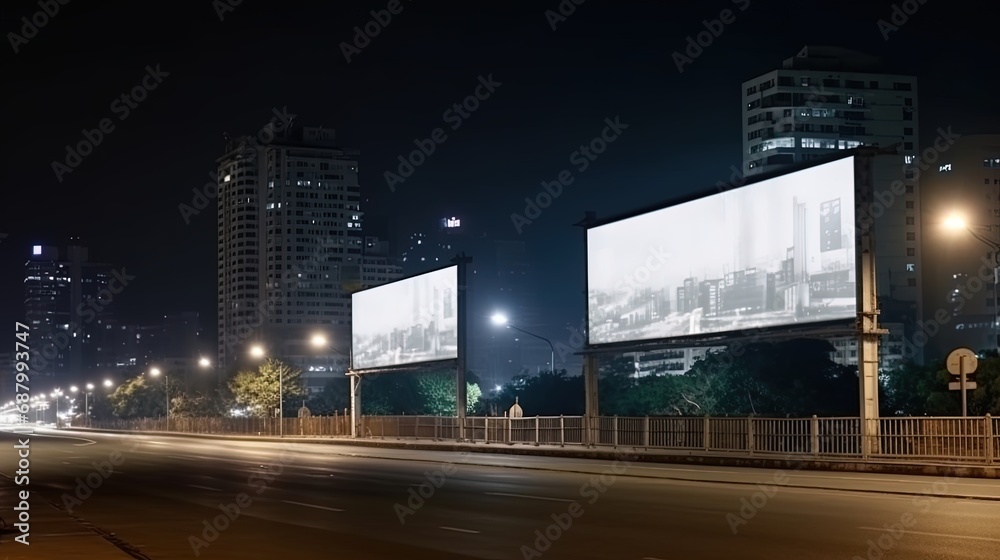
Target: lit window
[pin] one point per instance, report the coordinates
(911, 267)
(944, 168)
(36, 250)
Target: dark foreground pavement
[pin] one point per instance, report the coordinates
(173, 497)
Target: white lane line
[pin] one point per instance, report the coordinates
(204, 488)
(526, 496)
(459, 530)
(89, 441)
(311, 505)
(935, 534)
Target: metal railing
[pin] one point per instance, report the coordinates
(974, 440)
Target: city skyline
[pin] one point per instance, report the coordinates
(173, 263)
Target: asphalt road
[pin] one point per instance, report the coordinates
(319, 501)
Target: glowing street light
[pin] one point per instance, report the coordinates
(257, 351)
(108, 383)
(501, 320)
(204, 362)
(955, 222)
(153, 372)
(318, 340)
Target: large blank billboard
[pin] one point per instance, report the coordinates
(407, 322)
(778, 252)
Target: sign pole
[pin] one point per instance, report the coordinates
(961, 376)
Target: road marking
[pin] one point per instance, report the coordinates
(204, 488)
(460, 530)
(311, 505)
(89, 441)
(526, 496)
(183, 458)
(935, 534)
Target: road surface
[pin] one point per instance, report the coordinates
(174, 498)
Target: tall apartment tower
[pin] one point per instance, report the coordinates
(67, 300)
(825, 100)
(291, 250)
(960, 290)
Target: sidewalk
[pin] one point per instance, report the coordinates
(52, 533)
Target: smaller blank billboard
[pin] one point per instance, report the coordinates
(410, 321)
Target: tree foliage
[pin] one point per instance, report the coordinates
(257, 390)
(138, 398)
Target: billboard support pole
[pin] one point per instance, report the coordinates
(869, 332)
(591, 412)
(355, 404)
(460, 388)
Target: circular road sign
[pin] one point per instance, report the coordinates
(954, 359)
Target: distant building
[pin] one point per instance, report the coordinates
(172, 343)
(68, 301)
(292, 250)
(827, 99)
(959, 268)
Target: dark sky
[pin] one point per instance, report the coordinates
(607, 59)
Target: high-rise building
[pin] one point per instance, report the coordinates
(822, 101)
(67, 303)
(961, 202)
(291, 250)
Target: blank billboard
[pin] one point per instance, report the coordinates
(407, 322)
(775, 253)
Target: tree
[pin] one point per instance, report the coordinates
(198, 404)
(335, 397)
(257, 390)
(137, 398)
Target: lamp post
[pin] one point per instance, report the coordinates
(957, 223)
(257, 351)
(501, 319)
(55, 396)
(166, 390)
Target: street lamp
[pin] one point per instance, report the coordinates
(204, 362)
(257, 351)
(153, 372)
(955, 222)
(108, 383)
(55, 396)
(501, 320)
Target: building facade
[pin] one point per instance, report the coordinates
(291, 250)
(67, 302)
(961, 201)
(825, 100)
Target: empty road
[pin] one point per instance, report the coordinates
(174, 498)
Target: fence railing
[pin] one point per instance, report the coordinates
(968, 440)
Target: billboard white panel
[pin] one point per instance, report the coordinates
(410, 321)
(775, 253)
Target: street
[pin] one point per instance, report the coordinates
(178, 497)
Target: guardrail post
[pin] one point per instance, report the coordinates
(707, 435)
(586, 437)
(645, 431)
(614, 429)
(750, 435)
(562, 431)
(536, 431)
(814, 435)
(989, 439)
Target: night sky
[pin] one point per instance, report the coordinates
(606, 59)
